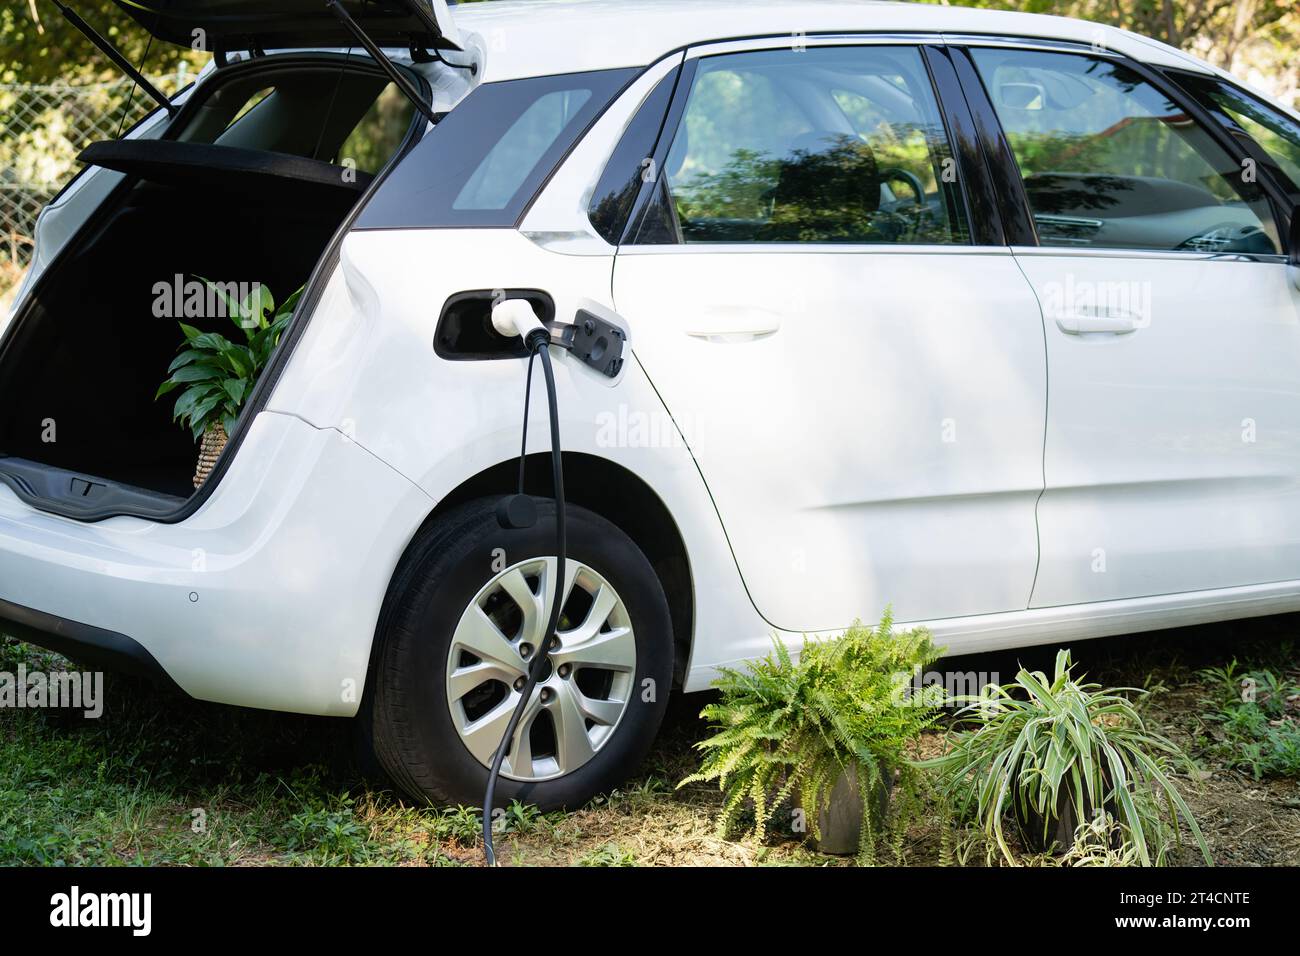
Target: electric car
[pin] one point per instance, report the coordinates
(990, 318)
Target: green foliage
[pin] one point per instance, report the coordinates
(788, 730)
(1031, 744)
(517, 818)
(1100, 842)
(330, 835)
(1258, 715)
(608, 855)
(218, 375)
(460, 825)
(37, 45)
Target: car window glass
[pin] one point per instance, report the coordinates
(1275, 132)
(503, 169)
(1109, 161)
(485, 160)
(380, 132)
(828, 144)
(252, 101)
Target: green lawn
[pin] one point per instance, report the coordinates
(160, 779)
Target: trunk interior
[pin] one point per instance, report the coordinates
(237, 191)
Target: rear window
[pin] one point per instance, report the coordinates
(486, 159)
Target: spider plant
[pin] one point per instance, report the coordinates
(1044, 750)
(217, 374)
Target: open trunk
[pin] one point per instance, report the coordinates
(249, 183)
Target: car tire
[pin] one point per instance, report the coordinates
(420, 723)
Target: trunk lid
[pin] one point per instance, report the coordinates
(294, 24)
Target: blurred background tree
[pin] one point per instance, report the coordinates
(38, 46)
(1257, 40)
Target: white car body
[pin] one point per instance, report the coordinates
(960, 457)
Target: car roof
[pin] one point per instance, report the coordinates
(522, 38)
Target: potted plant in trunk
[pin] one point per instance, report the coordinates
(1059, 755)
(827, 732)
(218, 375)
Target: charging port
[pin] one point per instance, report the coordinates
(465, 331)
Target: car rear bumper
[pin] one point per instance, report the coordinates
(266, 597)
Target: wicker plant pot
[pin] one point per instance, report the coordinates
(214, 440)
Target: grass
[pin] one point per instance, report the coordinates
(1255, 718)
(160, 779)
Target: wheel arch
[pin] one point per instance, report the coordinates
(615, 493)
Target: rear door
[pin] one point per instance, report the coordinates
(1173, 334)
(854, 359)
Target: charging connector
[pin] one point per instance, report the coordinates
(517, 317)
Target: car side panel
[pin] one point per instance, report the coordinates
(366, 367)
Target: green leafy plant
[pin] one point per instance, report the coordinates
(1100, 842)
(1040, 749)
(517, 818)
(1257, 716)
(610, 854)
(218, 375)
(460, 825)
(330, 833)
(787, 730)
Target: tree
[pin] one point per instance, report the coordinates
(1255, 39)
(37, 45)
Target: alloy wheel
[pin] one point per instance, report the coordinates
(584, 691)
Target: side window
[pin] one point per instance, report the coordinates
(1275, 132)
(826, 144)
(380, 132)
(502, 171)
(630, 164)
(1109, 161)
(482, 164)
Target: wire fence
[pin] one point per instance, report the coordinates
(42, 129)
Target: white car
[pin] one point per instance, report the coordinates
(992, 318)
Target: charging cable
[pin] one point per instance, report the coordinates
(510, 318)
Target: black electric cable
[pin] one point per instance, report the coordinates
(523, 441)
(539, 347)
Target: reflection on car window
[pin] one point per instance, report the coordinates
(1109, 161)
(830, 144)
(1275, 132)
(503, 169)
(380, 132)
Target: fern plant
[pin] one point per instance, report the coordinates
(217, 374)
(787, 729)
(1041, 750)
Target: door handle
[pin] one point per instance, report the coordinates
(1117, 324)
(724, 324)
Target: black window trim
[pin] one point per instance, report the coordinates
(643, 111)
(1008, 186)
(998, 151)
(978, 192)
(667, 133)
